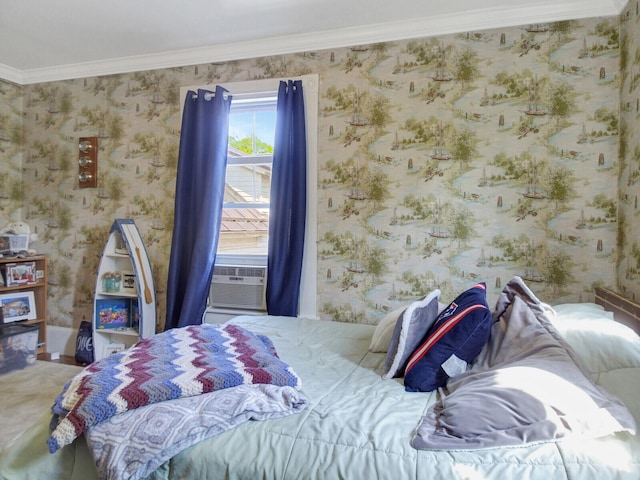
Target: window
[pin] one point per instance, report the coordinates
(245, 213)
(255, 95)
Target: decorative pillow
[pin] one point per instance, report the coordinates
(409, 330)
(455, 340)
(384, 331)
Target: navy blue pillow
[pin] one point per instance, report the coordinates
(454, 341)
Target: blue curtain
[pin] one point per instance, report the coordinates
(288, 202)
(202, 163)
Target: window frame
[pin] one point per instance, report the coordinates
(308, 282)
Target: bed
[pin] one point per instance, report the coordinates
(355, 418)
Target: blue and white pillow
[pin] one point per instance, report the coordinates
(409, 330)
(455, 340)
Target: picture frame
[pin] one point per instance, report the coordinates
(11, 244)
(17, 306)
(128, 283)
(112, 313)
(23, 273)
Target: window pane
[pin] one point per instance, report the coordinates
(245, 215)
(252, 133)
(244, 231)
(250, 183)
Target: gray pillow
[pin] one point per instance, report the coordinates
(411, 327)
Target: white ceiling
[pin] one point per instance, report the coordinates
(47, 40)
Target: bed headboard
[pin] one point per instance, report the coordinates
(626, 311)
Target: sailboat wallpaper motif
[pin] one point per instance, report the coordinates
(442, 161)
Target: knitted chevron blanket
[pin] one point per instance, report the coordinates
(180, 362)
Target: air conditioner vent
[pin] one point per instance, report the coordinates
(224, 270)
(251, 272)
(238, 287)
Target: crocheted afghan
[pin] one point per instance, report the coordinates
(178, 363)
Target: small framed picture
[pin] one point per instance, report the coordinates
(113, 348)
(20, 273)
(129, 283)
(112, 313)
(18, 306)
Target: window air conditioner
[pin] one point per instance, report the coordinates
(238, 287)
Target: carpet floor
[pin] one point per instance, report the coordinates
(28, 394)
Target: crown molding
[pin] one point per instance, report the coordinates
(481, 19)
(12, 75)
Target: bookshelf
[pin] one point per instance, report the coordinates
(25, 281)
(124, 309)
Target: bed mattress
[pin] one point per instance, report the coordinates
(356, 425)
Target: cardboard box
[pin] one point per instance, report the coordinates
(18, 344)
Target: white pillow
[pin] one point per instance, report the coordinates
(408, 332)
(383, 332)
(608, 350)
(601, 343)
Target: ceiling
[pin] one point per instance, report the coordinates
(45, 40)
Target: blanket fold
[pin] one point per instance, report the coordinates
(178, 363)
(131, 445)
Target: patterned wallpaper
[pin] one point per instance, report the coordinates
(628, 261)
(442, 162)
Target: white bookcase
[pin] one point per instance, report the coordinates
(124, 307)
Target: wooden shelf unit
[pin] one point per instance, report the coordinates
(39, 289)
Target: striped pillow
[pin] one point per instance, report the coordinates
(454, 341)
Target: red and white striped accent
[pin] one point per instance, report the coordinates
(438, 334)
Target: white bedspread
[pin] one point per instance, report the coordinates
(356, 425)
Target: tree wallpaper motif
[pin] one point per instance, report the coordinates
(443, 161)
(469, 157)
(628, 261)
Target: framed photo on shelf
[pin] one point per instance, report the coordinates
(112, 313)
(20, 273)
(129, 283)
(18, 306)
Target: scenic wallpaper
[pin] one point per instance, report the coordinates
(442, 161)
